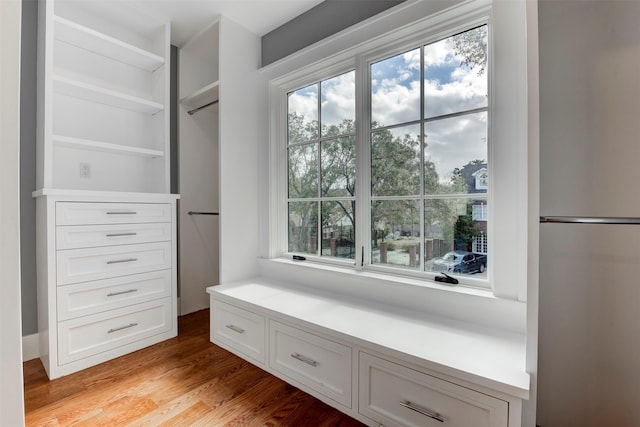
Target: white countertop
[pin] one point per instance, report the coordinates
(483, 356)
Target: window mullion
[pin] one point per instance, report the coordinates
(363, 172)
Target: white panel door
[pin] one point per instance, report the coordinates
(198, 234)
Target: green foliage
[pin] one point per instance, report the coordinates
(465, 230)
(472, 47)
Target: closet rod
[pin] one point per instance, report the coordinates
(195, 110)
(202, 213)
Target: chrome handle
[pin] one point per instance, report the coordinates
(121, 234)
(589, 220)
(130, 325)
(235, 328)
(118, 261)
(305, 359)
(423, 411)
(112, 294)
(122, 213)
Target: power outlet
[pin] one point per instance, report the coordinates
(85, 170)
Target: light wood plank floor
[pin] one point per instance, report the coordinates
(185, 381)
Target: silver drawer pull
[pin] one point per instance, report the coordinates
(121, 234)
(130, 325)
(304, 359)
(122, 213)
(118, 261)
(235, 328)
(113, 294)
(426, 412)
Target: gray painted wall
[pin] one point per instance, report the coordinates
(28, 166)
(324, 20)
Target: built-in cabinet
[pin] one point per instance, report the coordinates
(381, 366)
(106, 223)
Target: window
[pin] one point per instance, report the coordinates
(437, 115)
(321, 168)
(428, 135)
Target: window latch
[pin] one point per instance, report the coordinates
(445, 278)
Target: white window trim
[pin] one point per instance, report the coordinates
(508, 107)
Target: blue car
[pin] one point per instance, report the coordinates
(462, 262)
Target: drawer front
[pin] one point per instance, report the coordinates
(83, 299)
(72, 213)
(81, 265)
(90, 335)
(320, 364)
(86, 236)
(395, 395)
(239, 329)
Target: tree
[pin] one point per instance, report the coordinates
(465, 230)
(472, 47)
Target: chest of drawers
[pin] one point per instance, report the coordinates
(107, 278)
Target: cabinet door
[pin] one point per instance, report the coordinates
(70, 213)
(239, 329)
(90, 335)
(395, 395)
(320, 364)
(82, 265)
(82, 299)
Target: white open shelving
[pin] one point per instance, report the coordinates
(94, 41)
(104, 91)
(105, 147)
(102, 95)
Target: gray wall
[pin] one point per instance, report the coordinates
(28, 166)
(324, 20)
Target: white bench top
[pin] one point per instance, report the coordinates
(484, 356)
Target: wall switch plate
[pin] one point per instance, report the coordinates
(85, 170)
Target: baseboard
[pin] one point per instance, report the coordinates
(30, 347)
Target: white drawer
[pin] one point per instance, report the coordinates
(90, 335)
(320, 364)
(81, 265)
(86, 236)
(388, 391)
(72, 213)
(239, 329)
(83, 299)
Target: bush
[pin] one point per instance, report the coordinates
(391, 246)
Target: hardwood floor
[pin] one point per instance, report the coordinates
(185, 381)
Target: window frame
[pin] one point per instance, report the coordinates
(510, 242)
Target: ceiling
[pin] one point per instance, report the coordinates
(259, 16)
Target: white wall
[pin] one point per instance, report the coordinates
(11, 396)
(239, 58)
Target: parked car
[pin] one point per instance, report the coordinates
(462, 262)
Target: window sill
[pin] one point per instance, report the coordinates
(405, 294)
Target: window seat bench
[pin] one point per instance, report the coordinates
(378, 364)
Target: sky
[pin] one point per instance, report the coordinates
(449, 87)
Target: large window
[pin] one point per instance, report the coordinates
(427, 169)
(404, 155)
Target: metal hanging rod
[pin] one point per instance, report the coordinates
(195, 110)
(589, 220)
(203, 213)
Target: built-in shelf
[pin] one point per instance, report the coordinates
(107, 147)
(101, 95)
(202, 96)
(102, 44)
